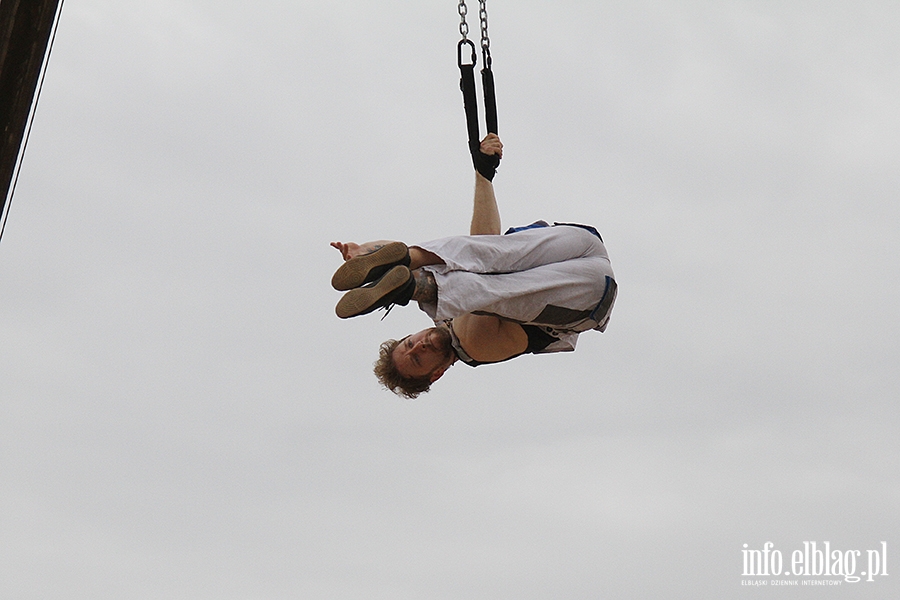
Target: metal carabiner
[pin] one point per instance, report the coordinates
(459, 48)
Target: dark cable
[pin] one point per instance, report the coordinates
(37, 97)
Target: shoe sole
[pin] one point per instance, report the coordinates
(360, 301)
(355, 272)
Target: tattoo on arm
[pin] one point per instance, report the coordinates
(426, 287)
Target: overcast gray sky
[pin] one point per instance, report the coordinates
(183, 416)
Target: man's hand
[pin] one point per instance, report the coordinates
(352, 250)
(348, 250)
(492, 146)
(486, 155)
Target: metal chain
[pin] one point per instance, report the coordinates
(463, 26)
(482, 15)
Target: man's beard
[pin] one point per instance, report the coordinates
(442, 341)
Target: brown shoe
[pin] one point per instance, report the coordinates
(394, 287)
(369, 267)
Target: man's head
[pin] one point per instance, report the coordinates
(408, 367)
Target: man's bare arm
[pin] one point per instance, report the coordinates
(485, 214)
(490, 339)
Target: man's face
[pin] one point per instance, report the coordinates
(425, 353)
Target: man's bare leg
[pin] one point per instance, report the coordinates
(426, 288)
(397, 286)
(422, 258)
(370, 261)
(417, 256)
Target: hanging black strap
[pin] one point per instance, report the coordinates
(484, 163)
(467, 85)
(490, 97)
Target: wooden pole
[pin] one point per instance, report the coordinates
(25, 29)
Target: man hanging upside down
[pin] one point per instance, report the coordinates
(492, 297)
